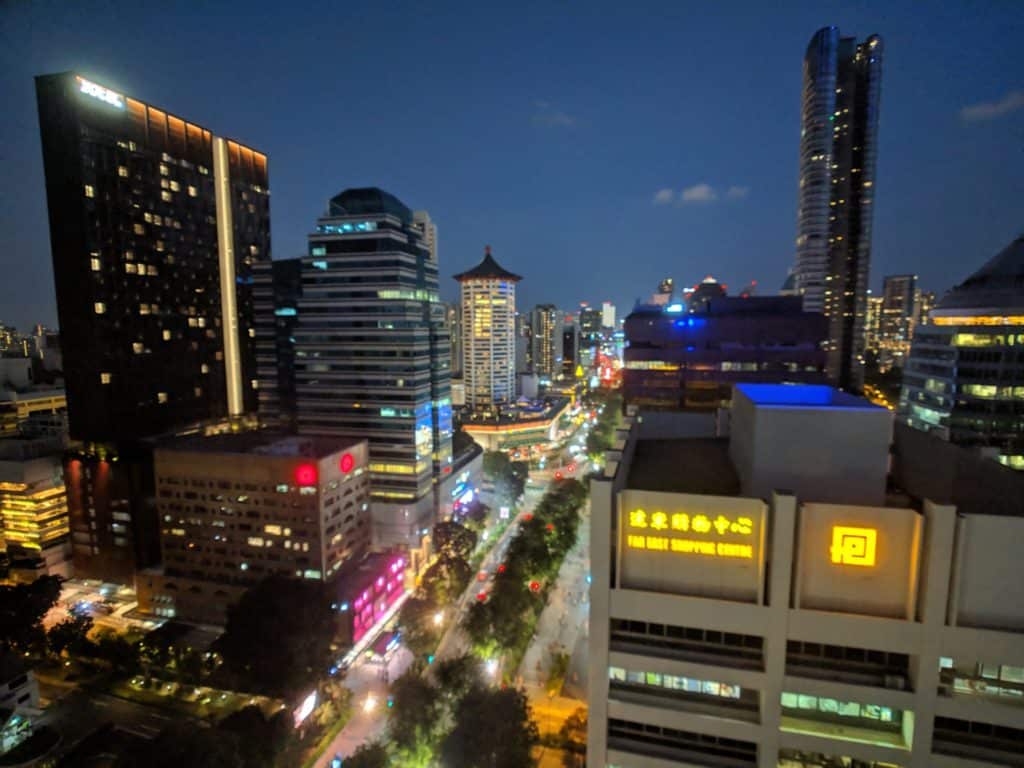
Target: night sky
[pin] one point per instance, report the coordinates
(563, 134)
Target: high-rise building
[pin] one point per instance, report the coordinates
(34, 524)
(453, 320)
(852, 619)
(545, 320)
(353, 343)
(155, 225)
(608, 315)
(872, 324)
(235, 509)
(488, 296)
(702, 294)
(896, 323)
(964, 380)
(591, 324)
(924, 303)
(570, 347)
(665, 294)
(838, 147)
(524, 343)
(690, 361)
(429, 230)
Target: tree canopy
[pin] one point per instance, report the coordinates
(278, 636)
(22, 609)
(492, 729)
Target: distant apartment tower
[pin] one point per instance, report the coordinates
(896, 323)
(545, 320)
(838, 148)
(488, 296)
(590, 324)
(964, 379)
(608, 315)
(429, 231)
(570, 347)
(155, 225)
(524, 343)
(453, 320)
(352, 343)
(872, 323)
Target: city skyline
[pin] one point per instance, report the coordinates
(578, 148)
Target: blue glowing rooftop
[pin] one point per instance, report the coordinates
(802, 396)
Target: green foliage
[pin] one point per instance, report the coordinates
(278, 636)
(414, 714)
(445, 580)
(184, 744)
(509, 477)
(556, 676)
(453, 541)
(492, 729)
(368, 756)
(259, 740)
(70, 635)
(416, 620)
(22, 608)
(116, 650)
(458, 675)
(573, 739)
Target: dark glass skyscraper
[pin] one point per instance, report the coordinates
(155, 224)
(353, 341)
(838, 147)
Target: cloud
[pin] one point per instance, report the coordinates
(664, 196)
(698, 193)
(990, 110)
(548, 114)
(737, 192)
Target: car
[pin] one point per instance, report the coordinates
(482, 576)
(336, 761)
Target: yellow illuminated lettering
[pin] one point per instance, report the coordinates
(680, 522)
(659, 521)
(636, 542)
(657, 543)
(742, 525)
(721, 524)
(853, 546)
(701, 524)
(638, 519)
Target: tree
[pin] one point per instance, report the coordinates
(117, 651)
(414, 712)
(477, 625)
(184, 744)
(278, 636)
(458, 675)
(445, 580)
(259, 740)
(22, 608)
(416, 620)
(453, 541)
(574, 730)
(368, 756)
(70, 635)
(492, 729)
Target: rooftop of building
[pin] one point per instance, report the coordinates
(364, 201)
(814, 396)
(523, 412)
(488, 269)
(699, 465)
(723, 305)
(261, 443)
(998, 284)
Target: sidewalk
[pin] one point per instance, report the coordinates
(563, 625)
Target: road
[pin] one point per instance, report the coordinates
(367, 681)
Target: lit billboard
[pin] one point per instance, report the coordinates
(685, 544)
(854, 559)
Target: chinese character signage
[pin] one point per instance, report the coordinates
(659, 531)
(853, 546)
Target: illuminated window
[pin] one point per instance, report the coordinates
(130, 269)
(140, 229)
(105, 378)
(272, 529)
(254, 541)
(161, 397)
(204, 368)
(163, 170)
(165, 196)
(94, 264)
(192, 192)
(166, 335)
(175, 186)
(99, 307)
(137, 347)
(122, 171)
(90, 191)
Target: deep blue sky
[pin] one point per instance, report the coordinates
(547, 129)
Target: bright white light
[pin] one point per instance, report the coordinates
(492, 667)
(438, 618)
(90, 88)
(369, 704)
(305, 709)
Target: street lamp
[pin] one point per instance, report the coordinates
(369, 704)
(438, 618)
(492, 667)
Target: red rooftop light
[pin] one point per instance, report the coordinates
(347, 462)
(305, 474)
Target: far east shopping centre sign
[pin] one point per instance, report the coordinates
(707, 546)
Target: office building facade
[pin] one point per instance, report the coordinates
(674, 360)
(838, 148)
(524, 343)
(964, 380)
(453, 317)
(235, 509)
(155, 226)
(896, 321)
(487, 293)
(353, 343)
(545, 321)
(570, 347)
(827, 625)
(591, 325)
